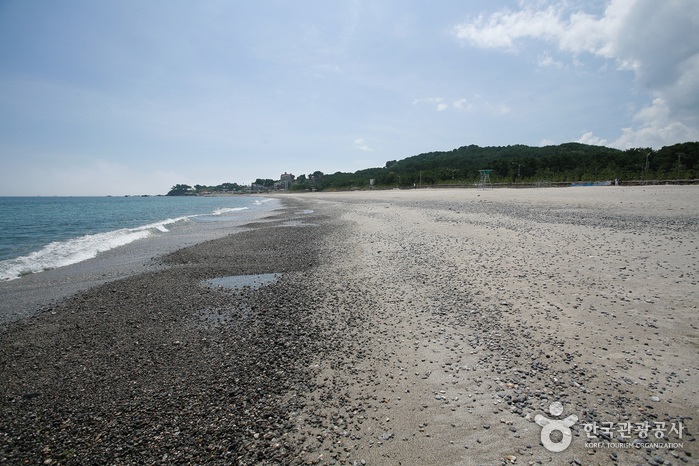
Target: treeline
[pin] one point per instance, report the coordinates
(565, 162)
(185, 189)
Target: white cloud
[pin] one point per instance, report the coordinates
(503, 28)
(656, 128)
(359, 143)
(546, 142)
(581, 32)
(433, 100)
(499, 109)
(441, 105)
(546, 60)
(428, 100)
(589, 138)
(658, 41)
(463, 105)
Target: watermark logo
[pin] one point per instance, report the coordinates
(550, 426)
(619, 435)
(649, 435)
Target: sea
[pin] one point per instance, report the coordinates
(44, 233)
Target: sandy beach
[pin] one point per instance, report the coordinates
(413, 327)
(483, 308)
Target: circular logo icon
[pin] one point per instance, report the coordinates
(551, 425)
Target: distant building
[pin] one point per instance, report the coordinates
(317, 178)
(287, 179)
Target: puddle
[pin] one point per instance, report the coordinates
(307, 211)
(238, 281)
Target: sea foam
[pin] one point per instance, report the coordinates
(72, 251)
(228, 210)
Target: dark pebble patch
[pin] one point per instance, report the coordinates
(124, 373)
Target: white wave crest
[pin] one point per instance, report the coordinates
(226, 210)
(72, 251)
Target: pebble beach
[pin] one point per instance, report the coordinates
(412, 327)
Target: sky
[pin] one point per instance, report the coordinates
(132, 97)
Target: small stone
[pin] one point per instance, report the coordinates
(654, 398)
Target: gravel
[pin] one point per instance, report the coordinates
(125, 373)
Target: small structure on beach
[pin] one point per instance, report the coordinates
(485, 180)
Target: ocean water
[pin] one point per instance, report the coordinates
(42, 233)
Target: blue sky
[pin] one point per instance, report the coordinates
(132, 97)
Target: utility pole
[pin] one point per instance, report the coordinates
(519, 169)
(647, 165)
(679, 164)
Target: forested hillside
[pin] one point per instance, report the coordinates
(566, 162)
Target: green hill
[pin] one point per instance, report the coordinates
(565, 162)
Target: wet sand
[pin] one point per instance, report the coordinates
(23, 297)
(408, 327)
(158, 368)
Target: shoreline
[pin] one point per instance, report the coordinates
(25, 295)
(407, 327)
(146, 368)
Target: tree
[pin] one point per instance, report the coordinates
(267, 183)
(179, 190)
(228, 187)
